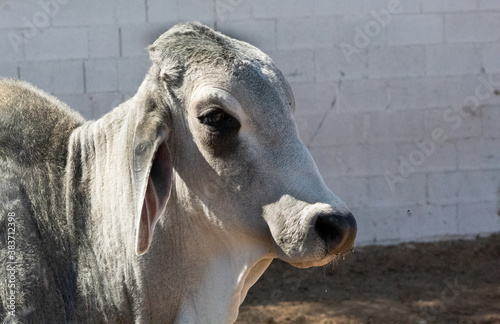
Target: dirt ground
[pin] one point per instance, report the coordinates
(442, 282)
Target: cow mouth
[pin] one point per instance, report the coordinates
(330, 258)
(318, 257)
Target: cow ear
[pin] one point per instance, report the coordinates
(153, 176)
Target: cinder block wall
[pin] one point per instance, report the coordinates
(398, 101)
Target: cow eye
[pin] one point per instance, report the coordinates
(212, 118)
(218, 121)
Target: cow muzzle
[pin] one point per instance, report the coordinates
(308, 235)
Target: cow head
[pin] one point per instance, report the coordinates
(232, 154)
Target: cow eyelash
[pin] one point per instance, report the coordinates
(218, 120)
(212, 117)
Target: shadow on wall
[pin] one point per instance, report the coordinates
(498, 201)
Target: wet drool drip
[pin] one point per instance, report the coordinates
(324, 277)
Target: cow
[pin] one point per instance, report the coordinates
(171, 206)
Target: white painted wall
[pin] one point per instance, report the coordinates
(398, 101)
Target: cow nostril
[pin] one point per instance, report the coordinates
(329, 229)
(337, 231)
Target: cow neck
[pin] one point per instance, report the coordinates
(101, 219)
(204, 275)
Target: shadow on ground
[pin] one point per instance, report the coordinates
(441, 282)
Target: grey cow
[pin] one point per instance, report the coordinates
(203, 169)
